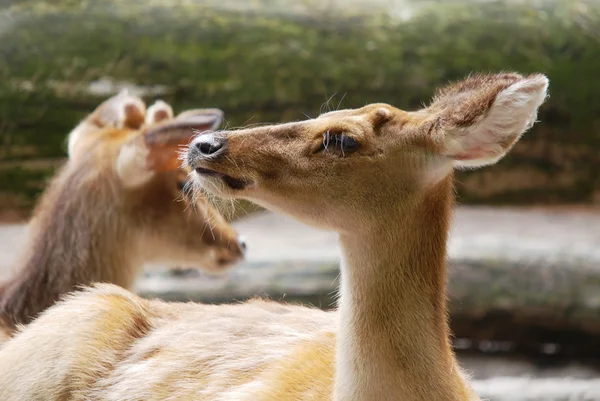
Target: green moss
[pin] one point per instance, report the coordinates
(277, 61)
(23, 186)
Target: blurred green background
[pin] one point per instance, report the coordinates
(268, 61)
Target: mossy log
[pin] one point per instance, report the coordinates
(266, 61)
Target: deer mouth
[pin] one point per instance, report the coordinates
(232, 182)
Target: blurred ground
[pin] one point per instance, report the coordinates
(539, 265)
(509, 233)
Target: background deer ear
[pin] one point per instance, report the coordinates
(484, 116)
(158, 146)
(158, 112)
(122, 111)
(165, 141)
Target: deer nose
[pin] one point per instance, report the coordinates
(210, 145)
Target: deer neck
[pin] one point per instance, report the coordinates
(75, 238)
(393, 339)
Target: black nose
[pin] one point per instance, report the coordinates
(210, 144)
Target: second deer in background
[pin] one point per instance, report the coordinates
(116, 204)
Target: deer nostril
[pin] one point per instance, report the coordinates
(208, 148)
(210, 145)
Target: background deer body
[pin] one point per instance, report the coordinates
(109, 210)
(381, 178)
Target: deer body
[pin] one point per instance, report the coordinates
(93, 225)
(380, 177)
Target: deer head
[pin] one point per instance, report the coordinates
(348, 165)
(135, 152)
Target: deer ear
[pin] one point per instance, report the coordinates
(122, 111)
(484, 116)
(165, 141)
(158, 146)
(160, 111)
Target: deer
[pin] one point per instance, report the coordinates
(379, 176)
(117, 204)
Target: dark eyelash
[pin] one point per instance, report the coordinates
(341, 141)
(326, 139)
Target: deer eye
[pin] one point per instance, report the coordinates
(346, 142)
(338, 141)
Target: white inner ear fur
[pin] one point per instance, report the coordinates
(131, 165)
(513, 112)
(157, 107)
(438, 168)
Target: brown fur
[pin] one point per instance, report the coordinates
(89, 228)
(390, 199)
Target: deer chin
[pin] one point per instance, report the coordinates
(216, 270)
(216, 262)
(221, 184)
